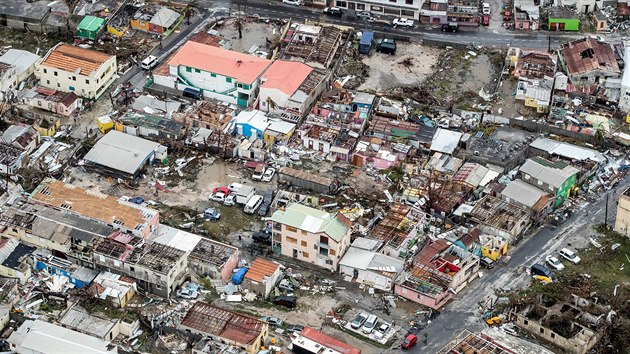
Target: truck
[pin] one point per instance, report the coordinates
(365, 44)
(244, 194)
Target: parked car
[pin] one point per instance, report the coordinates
(333, 11)
(554, 262)
(259, 171)
(253, 204)
(365, 16)
(382, 330)
(386, 46)
(485, 20)
(268, 196)
(187, 293)
(263, 235)
(286, 285)
(234, 187)
(268, 175)
(570, 256)
(264, 209)
(539, 270)
(294, 328)
(212, 214)
(486, 262)
(137, 200)
(274, 321)
(369, 324)
(409, 341)
(450, 27)
(403, 22)
(220, 196)
(152, 203)
(286, 301)
(486, 8)
(292, 2)
(358, 321)
(230, 200)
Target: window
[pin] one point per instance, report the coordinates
(228, 79)
(305, 254)
(87, 81)
(277, 226)
(291, 228)
(408, 2)
(213, 75)
(47, 82)
(526, 322)
(342, 4)
(291, 240)
(55, 73)
(58, 85)
(188, 69)
(392, 0)
(303, 243)
(329, 261)
(542, 330)
(45, 71)
(303, 232)
(360, 6)
(323, 240)
(332, 252)
(132, 269)
(323, 252)
(553, 335)
(197, 71)
(315, 246)
(74, 78)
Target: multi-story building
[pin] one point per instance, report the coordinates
(434, 12)
(587, 61)
(464, 12)
(622, 220)
(394, 8)
(85, 72)
(554, 177)
(218, 73)
(311, 235)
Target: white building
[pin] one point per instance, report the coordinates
(280, 83)
(624, 98)
(85, 72)
(8, 79)
(395, 8)
(222, 74)
(363, 264)
(24, 62)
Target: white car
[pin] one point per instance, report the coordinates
(382, 331)
(234, 187)
(218, 197)
(405, 22)
(554, 262)
(570, 256)
(230, 200)
(292, 2)
(268, 175)
(186, 293)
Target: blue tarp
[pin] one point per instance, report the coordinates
(237, 278)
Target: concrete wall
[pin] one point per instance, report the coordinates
(622, 219)
(433, 302)
(538, 128)
(580, 344)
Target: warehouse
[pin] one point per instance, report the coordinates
(123, 155)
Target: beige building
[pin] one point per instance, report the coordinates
(311, 235)
(622, 220)
(85, 72)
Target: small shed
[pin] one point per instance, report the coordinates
(262, 277)
(90, 27)
(600, 21)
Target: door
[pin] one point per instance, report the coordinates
(294, 253)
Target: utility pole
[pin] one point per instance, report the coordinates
(606, 216)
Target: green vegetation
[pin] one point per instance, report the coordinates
(95, 305)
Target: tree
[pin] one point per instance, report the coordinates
(271, 104)
(239, 27)
(189, 10)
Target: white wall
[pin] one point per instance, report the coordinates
(84, 85)
(279, 97)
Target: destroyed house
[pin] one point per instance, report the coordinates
(390, 129)
(378, 153)
(208, 114)
(528, 196)
(363, 264)
(150, 127)
(317, 137)
(311, 235)
(157, 268)
(535, 65)
(469, 342)
(12, 159)
(105, 209)
(21, 136)
(498, 217)
(116, 288)
(470, 176)
(213, 259)
(56, 230)
(154, 19)
(244, 332)
(77, 275)
(397, 229)
(155, 106)
(15, 259)
(315, 46)
(506, 147)
(262, 277)
(308, 181)
(588, 61)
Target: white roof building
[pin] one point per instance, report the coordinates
(445, 141)
(23, 61)
(43, 337)
(522, 193)
(122, 152)
(566, 150)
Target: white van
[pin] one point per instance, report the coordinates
(149, 62)
(369, 324)
(253, 204)
(486, 8)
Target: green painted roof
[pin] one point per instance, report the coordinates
(311, 220)
(91, 23)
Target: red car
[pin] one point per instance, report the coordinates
(225, 190)
(485, 20)
(409, 341)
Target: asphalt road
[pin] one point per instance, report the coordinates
(477, 36)
(463, 311)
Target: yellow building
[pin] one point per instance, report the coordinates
(85, 72)
(493, 247)
(47, 126)
(104, 124)
(278, 131)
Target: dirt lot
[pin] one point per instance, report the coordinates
(412, 64)
(254, 34)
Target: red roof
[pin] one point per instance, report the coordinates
(286, 76)
(244, 68)
(329, 341)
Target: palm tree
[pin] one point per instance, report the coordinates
(239, 26)
(271, 104)
(189, 11)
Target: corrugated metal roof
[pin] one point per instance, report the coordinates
(122, 152)
(165, 17)
(445, 141)
(554, 177)
(311, 220)
(523, 193)
(260, 269)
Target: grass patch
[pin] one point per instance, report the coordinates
(232, 219)
(95, 305)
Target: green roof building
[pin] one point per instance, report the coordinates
(563, 19)
(89, 27)
(311, 235)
